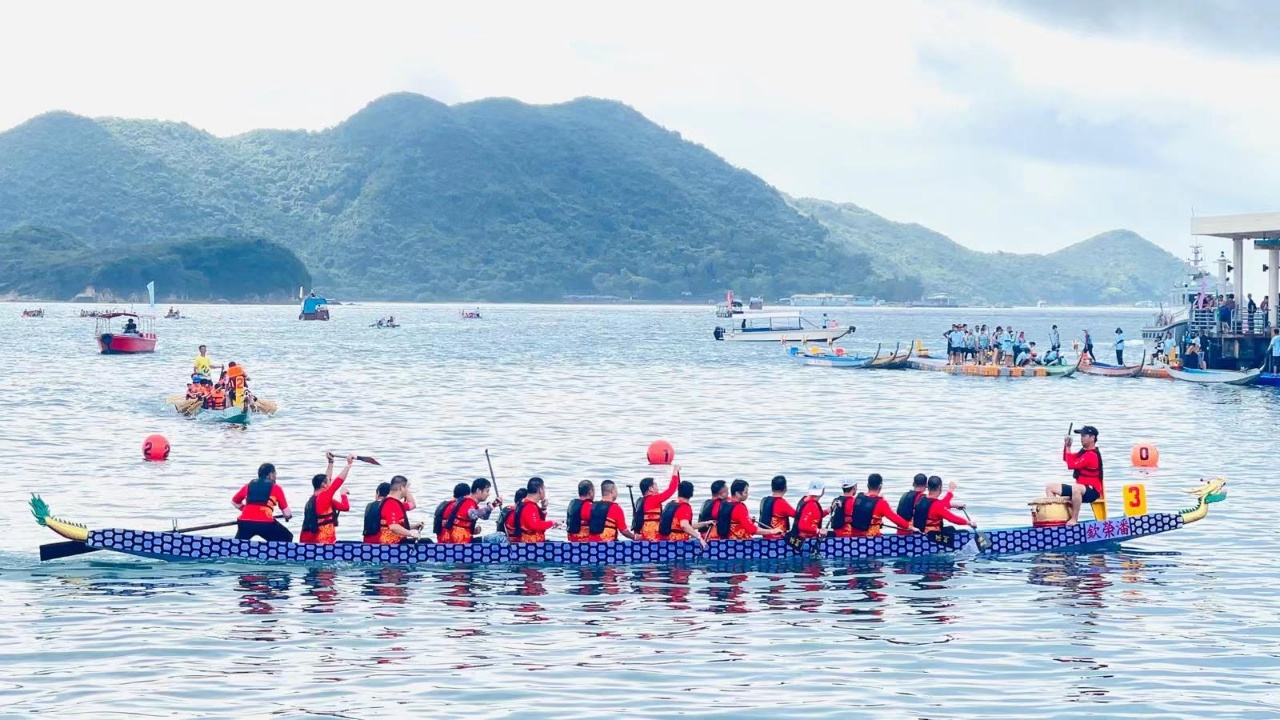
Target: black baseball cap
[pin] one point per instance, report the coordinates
(1088, 430)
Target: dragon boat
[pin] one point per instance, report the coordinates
(1106, 370)
(184, 546)
(1028, 371)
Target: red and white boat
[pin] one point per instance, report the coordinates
(137, 334)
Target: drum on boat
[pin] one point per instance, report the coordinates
(1050, 512)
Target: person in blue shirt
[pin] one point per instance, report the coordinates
(1119, 346)
(1055, 341)
(1274, 346)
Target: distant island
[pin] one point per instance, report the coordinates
(495, 200)
(49, 264)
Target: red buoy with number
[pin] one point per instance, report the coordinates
(156, 448)
(661, 453)
(1144, 455)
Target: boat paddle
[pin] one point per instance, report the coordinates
(983, 540)
(492, 478)
(362, 458)
(70, 548)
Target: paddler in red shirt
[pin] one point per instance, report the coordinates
(578, 518)
(320, 516)
(870, 511)
(907, 503)
(733, 520)
(607, 518)
(529, 522)
(445, 509)
(676, 523)
(842, 510)
(809, 512)
(257, 502)
(934, 507)
(775, 511)
(645, 519)
(394, 526)
(460, 522)
(1086, 467)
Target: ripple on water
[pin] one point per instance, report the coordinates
(1183, 624)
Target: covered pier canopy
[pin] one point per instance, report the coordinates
(1264, 230)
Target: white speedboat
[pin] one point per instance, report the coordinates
(779, 327)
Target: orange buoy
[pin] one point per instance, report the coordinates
(1144, 455)
(156, 448)
(661, 453)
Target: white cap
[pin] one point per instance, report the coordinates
(816, 488)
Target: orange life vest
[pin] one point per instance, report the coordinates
(386, 535)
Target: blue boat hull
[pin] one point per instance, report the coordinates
(178, 547)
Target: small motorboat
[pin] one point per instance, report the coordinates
(469, 314)
(1217, 377)
(137, 336)
(37, 313)
(314, 308)
(387, 322)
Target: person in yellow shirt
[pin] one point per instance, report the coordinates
(203, 366)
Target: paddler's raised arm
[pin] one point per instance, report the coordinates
(674, 485)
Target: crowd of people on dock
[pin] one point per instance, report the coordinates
(979, 345)
(659, 515)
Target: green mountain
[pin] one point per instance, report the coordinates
(38, 262)
(1118, 266)
(413, 199)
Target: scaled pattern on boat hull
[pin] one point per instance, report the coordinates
(179, 546)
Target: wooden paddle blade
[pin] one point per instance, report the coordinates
(174, 399)
(367, 459)
(54, 551)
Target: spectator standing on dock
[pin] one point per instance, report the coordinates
(1274, 347)
(1252, 309)
(1265, 309)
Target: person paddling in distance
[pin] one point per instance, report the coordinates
(461, 522)
(775, 511)
(676, 523)
(320, 515)
(444, 535)
(578, 517)
(1086, 467)
(257, 502)
(733, 520)
(529, 522)
(607, 518)
(648, 513)
(809, 512)
(373, 513)
(394, 525)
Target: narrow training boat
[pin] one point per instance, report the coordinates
(896, 361)
(1216, 377)
(172, 545)
(1122, 371)
(817, 357)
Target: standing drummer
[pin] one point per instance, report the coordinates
(1086, 467)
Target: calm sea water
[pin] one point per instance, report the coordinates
(1184, 624)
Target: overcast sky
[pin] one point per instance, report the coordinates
(1021, 126)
